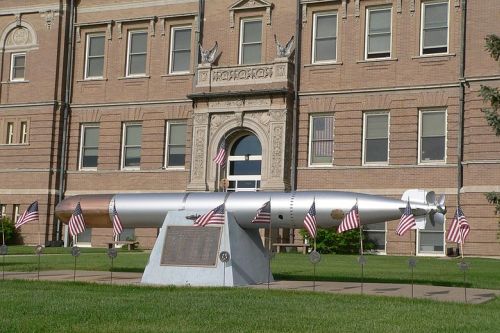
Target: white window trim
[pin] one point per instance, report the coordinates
(82, 138)
(14, 55)
(309, 160)
(10, 133)
(167, 144)
(422, 17)
(15, 212)
(122, 162)
(367, 28)
(129, 44)
(365, 114)
(433, 162)
(172, 39)
(313, 55)
(3, 210)
(87, 49)
(242, 24)
(23, 139)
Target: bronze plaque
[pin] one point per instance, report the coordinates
(191, 246)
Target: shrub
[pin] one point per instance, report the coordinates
(329, 241)
(8, 229)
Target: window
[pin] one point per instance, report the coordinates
(376, 233)
(434, 27)
(321, 140)
(84, 238)
(325, 37)
(378, 33)
(244, 163)
(15, 213)
(24, 132)
(137, 53)
(176, 145)
(251, 41)
(432, 142)
(94, 67)
(3, 209)
(376, 142)
(18, 65)
(128, 234)
(131, 150)
(89, 146)
(431, 239)
(180, 47)
(10, 133)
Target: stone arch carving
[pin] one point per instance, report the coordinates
(18, 36)
(230, 127)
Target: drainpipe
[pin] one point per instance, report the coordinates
(198, 38)
(66, 106)
(463, 83)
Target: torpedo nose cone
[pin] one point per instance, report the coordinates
(95, 209)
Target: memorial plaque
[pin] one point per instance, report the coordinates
(191, 246)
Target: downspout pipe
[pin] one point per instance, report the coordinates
(66, 106)
(296, 83)
(198, 39)
(463, 83)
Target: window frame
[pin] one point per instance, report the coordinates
(365, 116)
(167, 145)
(123, 147)
(434, 110)
(9, 139)
(242, 24)
(12, 57)
(418, 240)
(82, 142)
(422, 22)
(313, 48)
(310, 162)
(15, 212)
(129, 45)
(367, 28)
(87, 49)
(3, 210)
(23, 135)
(173, 30)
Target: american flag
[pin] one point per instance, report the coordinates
(76, 223)
(117, 223)
(263, 214)
(460, 228)
(351, 220)
(215, 216)
(310, 220)
(31, 214)
(406, 222)
(220, 158)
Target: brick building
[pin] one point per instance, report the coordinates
(378, 96)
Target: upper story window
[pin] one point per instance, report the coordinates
(251, 41)
(24, 132)
(321, 140)
(434, 34)
(89, 146)
(94, 60)
(17, 66)
(176, 145)
(325, 37)
(378, 33)
(15, 212)
(137, 53)
(180, 50)
(432, 142)
(131, 146)
(10, 133)
(376, 140)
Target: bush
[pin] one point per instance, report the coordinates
(329, 241)
(8, 229)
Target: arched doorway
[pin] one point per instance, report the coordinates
(244, 163)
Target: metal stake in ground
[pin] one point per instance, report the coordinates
(361, 259)
(112, 254)
(3, 253)
(75, 252)
(464, 267)
(38, 252)
(412, 262)
(314, 258)
(224, 256)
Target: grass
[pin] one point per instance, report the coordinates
(77, 307)
(483, 273)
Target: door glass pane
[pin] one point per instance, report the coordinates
(247, 145)
(239, 168)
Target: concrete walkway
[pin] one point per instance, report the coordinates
(436, 293)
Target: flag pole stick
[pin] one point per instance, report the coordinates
(411, 255)
(74, 267)
(270, 252)
(463, 263)
(3, 232)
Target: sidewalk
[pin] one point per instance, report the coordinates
(436, 293)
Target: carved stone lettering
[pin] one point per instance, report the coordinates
(242, 74)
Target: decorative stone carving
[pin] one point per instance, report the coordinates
(119, 27)
(238, 74)
(250, 4)
(18, 19)
(200, 138)
(457, 3)
(356, 8)
(238, 116)
(218, 120)
(253, 102)
(412, 6)
(284, 51)
(200, 119)
(304, 14)
(399, 6)
(262, 118)
(152, 27)
(109, 31)
(209, 56)
(277, 151)
(344, 9)
(19, 37)
(162, 26)
(278, 115)
(49, 16)
(225, 103)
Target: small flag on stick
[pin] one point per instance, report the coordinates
(31, 214)
(310, 220)
(351, 220)
(76, 222)
(220, 158)
(406, 222)
(263, 214)
(460, 228)
(215, 216)
(117, 223)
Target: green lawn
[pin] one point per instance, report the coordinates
(78, 307)
(483, 273)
